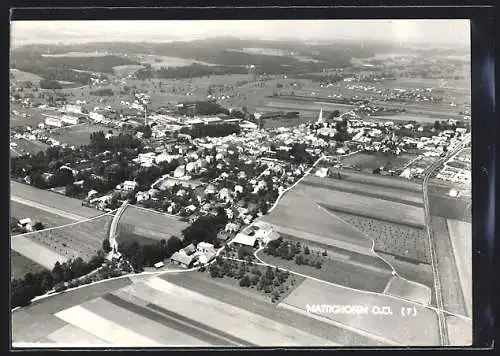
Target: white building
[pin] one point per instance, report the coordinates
(70, 120)
(180, 171)
(74, 109)
(204, 247)
(97, 117)
(322, 172)
(129, 185)
(51, 121)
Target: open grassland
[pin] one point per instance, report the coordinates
(79, 240)
(296, 212)
(77, 135)
(338, 271)
(201, 283)
(459, 331)
(461, 241)
(421, 330)
(48, 219)
(362, 205)
(20, 265)
(453, 297)
(391, 194)
(238, 322)
(47, 199)
(409, 290)
(368, 162)
(150, 224)
(406, 242)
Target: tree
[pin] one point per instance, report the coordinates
(376, 170)
(106, 246)
(306, 250)
(299, 260)
(245, 281)
(38, 226)
(437, 125)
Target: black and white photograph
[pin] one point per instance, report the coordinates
(240, 183)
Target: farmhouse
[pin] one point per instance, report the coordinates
(26, 224)
(203, 247)
(182, 259)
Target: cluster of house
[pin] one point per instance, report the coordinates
(192, 256)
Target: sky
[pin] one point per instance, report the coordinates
(425, 31)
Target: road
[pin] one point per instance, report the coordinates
(434, 263)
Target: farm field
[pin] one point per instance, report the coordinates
(307, 106)
(35, 116)
(20, 265)
(450, 208)
(362, 205)
(150, 224)
(35, 252)
(381, 181)
(332, 241)
(82, 239)
(420, 273)
(28, 146)
(424, 116)
(453, 297)
(406, 242)
(459, 331)
(395, 195)
(50, 199)
(174, 300)
(201, 283)
(22, 76)
(409, 290)
(335, 270)
(346, 252)
(368, 162)
(126, 70)
(296, 212)
(157, 61)
(461, 241)
(36, 321)
(421, 330)
(77, 135)
(21, 211)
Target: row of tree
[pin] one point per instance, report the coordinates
(34, 284)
